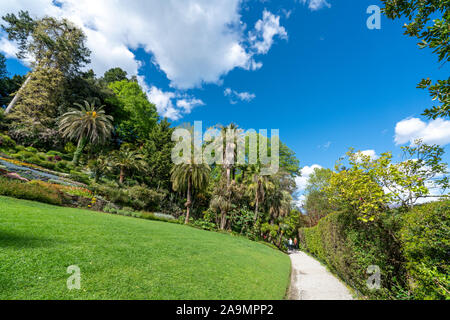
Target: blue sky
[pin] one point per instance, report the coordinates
(326, 81)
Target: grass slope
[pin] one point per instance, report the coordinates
(127, 258)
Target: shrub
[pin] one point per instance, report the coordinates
(110, 208)
(31, 150)
(61, 166)
(6, 142)
(24, 155)
(52, 153)
(29, 191)
(79, 177)
(349, 246)
(113, 194)
(145, 198)
(126, 213)
(70, 190)
(425, 235)
(42, 156)
(70, 148)
(203, 224)
(19, 148)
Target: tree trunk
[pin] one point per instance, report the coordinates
(223, 220)
(122, 175)
(188, 202)
(256, 208)
(16, 97)
(76, 156)
(228, 176)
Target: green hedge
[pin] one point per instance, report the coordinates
(425, 235)
(348, 247)
(412, 250)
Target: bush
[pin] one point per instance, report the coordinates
(31, 150)
(203, 224)
(79, 177)
(145, 198)
(113, 194)
(111, 208)
(425, 235)
(70, 190)
(52, 153)
(6, 142)
(24, 155)
(19, 148)
(70, 148)
(29, 191)
(349, 246)
(61, 166)
(128, 212)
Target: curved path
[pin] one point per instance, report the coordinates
(312, 281)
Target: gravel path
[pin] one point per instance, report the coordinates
(312, 281)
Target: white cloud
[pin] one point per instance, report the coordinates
(302, 181)
(434, 132)
(325, 146)
(191, 41)
(262, 37)
(8, 48)
(316, 4)
(163, 102)
(188, 104)
(165, 105)
(371, 153)
(234, 96)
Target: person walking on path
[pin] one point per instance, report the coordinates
(290, 244)
(295, 243)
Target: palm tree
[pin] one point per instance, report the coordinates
(258, 185)
(99, 167)
(88, 124)
(189, 176)
(224, 199)
(222, 204)
(128, 160)
(230, 147)
(278, 203)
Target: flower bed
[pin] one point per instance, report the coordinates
(33, 172)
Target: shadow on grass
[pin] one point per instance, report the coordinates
(14, 240)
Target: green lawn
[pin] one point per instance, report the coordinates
(128, 258)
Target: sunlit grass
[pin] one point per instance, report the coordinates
(128, 258)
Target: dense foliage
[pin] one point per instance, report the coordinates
(425, 237)
(410, 249)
